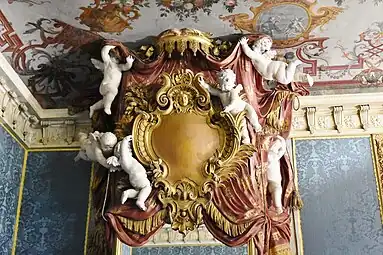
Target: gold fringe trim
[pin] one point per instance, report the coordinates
(283, 249)
(296, 200)
(143, 226)
(225, 225)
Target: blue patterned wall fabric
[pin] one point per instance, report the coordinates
(11, 163)
(54, 206)
(341, 210)
(190, 250)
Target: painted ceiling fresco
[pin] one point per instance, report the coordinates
(49, 42)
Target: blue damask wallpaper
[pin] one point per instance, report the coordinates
(341, 209)
(54, 206)
(190, 250)
(11, 163)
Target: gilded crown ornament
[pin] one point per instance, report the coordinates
(178, 40)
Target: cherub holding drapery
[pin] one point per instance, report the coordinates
(261, 56)
(112, 69)
(232, 102)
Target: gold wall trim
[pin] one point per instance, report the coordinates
(377, 155)
(19, 202)
(296, 215)
(283, 249)
(88, 213)
(12, 134)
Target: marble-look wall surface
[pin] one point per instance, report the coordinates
(11, 164)
(54, 205)
(337, 184)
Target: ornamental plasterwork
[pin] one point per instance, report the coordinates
(358, 114)
(324, 122)
(298, 123)
(350, 121)
(33, 131)
(376, 121)
(168, 236)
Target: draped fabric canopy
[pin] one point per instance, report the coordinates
(242, 202)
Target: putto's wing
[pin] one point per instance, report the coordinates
(98, 64)
(93, 137)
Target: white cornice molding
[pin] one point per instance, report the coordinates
(338, 115)
(15, 84)
(23, 119)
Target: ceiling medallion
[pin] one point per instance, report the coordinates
(288, 22)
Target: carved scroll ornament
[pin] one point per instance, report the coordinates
(191, 147)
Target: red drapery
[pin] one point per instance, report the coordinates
(243, 200)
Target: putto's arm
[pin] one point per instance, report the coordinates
(239, 88)
(105, 52)
(246, 48)
(282, 150)
(210, 89)
(128, 65)
(230, 107)
(100, 158)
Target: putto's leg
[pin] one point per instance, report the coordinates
(275, 189)
(142, 196)
(303, 77)
(244, 132)
(253, 118)
(97, 106)
(108, 100)
(78, 156)
(285, 75)
(130, 193)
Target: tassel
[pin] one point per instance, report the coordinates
(296, 201)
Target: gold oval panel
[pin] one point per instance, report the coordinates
(185, 142)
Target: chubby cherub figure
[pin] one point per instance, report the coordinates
(261, 56)
(232, 102)
(123, 158)
(96, 147)
(274, 178)
(112, 70)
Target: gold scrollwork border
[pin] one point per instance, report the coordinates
(377, 145)
(316, 18)
(184, 199)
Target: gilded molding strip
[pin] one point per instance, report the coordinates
(20, 200)
(377, 147)
(297, 215)
(251, 248)
(88, 214)
(118, 247)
